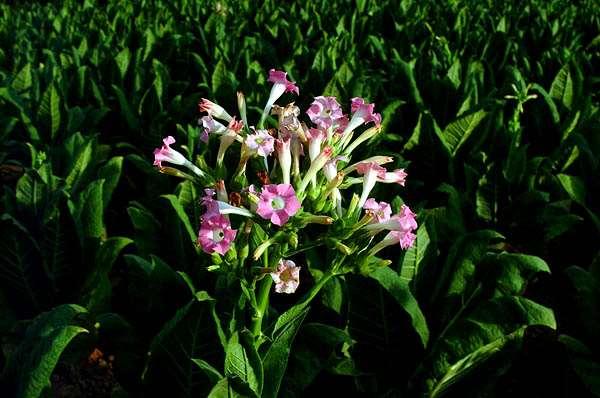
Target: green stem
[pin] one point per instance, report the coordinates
(262, 304)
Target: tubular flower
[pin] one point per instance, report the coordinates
(315, 166)
(371, 172)
(261, 142)
(211, 126)
(218, 207)
(397, 176)
(315, 140)
(284, 155)
(381, 211)
(403, 221)
(170, 155)
(280, 78)
(405, 238)
(214, 110)
(216, 234)
(280, 85)
(324, 111)
(287, 277)
(278, 203)
(362, 113)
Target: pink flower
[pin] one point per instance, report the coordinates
(211, 126)
(362, 113)
(371, 173)
(401, 227)
(168, 154)
(280, 86)
(284, 155)
(324, 111)
(341, 124)
(397, 176)
(215, 234)
(235, 125)
(315, 140)
(214, 110)
(287, 277)
(330, 168)
(407, 218)
(218, 207)
(405, 238)
(365, 111)
(261, 142)
(404, 221)
(280, 77)
(278, 203)
(212, 207)
(381, 211)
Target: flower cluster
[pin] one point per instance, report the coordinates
(303, 169)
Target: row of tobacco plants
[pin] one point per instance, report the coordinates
(441, 242)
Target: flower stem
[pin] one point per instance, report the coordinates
(262, 305)
(262, 302)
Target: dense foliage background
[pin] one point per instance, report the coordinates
(97, 269)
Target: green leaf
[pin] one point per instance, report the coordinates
(510, 272)
(457, 275)
(400, 291)
(19, 266)
(30, 366)
(213, 374)
(80, 160)
(126, 109)
(487, 322)
(225, 388)
(123, 58)
(458, 131)
(147, 229)
(111, 173)
(549, 101)
(221, 79)
(414, 256)
(22, 80)
(505, 347)
(573, 186)
(242, 361)
(49, 110)
(31, 193)
(561, 89)
(276, 357)
(88, 211)
(407, 69)
(190, 334)
(183, 217)
(97, 288)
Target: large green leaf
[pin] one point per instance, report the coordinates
(20, 270)
(561, 89)
(400, 291)
(123, 59)
(413, 257)
(457, 132)
(504, 347)
(22, 80)
(111, 173)
(88, 211)
(183, 217)
(49, 111)
(106, 254)
(276, 357)
(192, 333)
(31, 364)
(242, 361)
(485, 323)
